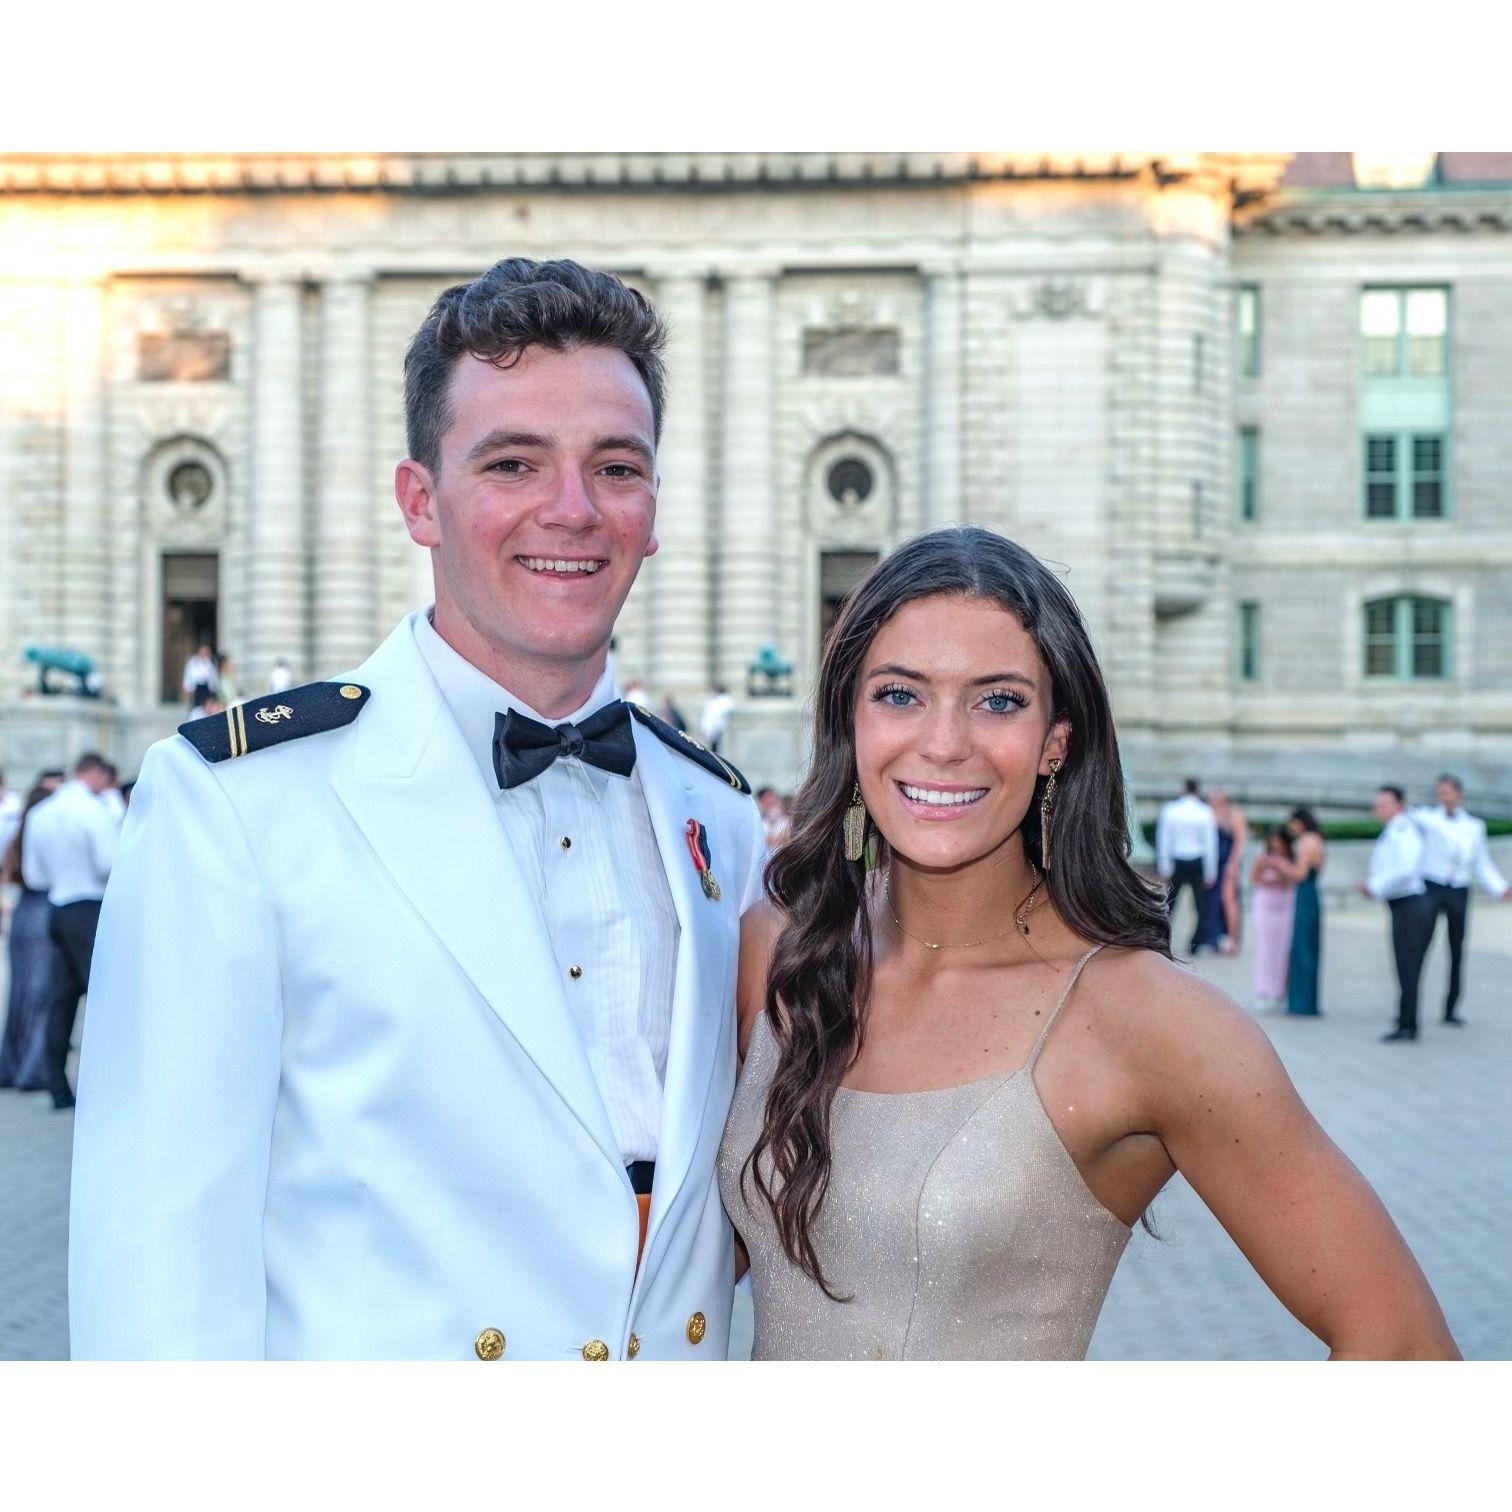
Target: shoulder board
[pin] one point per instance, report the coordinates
(274, 718)
(685, 745)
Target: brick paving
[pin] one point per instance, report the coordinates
(1429, 1124)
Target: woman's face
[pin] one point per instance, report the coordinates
(952, 727)
(1276, 846)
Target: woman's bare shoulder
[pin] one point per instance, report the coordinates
(1158, 1015)
(759, 927)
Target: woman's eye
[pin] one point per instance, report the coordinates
(894, 698)
(1002, 703)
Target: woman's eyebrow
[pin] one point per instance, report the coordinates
(892, 669)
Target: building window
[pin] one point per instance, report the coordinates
(1249, 642)
(190, 613)
(1404, 332)
(1405, 476)
(1249, 330)
(1407, 638)
(840, 573)
(1249, 473)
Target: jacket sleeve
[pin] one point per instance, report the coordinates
(753, 890)
(1485, 869)
(178, 1081)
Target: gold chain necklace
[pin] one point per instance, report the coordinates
(1020, 920)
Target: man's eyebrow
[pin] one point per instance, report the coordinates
(625, 443)
(498, 440)
(892, 669)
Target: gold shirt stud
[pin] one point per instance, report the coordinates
(697, 1326)
(489, 1344)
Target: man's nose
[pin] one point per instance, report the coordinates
(570, 506)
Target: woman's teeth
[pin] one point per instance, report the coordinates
(942, 800)
(552, 564)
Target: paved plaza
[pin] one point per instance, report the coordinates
(1429, 1124)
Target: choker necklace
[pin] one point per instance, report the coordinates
(1020, 920)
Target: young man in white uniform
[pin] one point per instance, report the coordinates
(444, 1066)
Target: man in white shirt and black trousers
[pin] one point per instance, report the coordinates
(1396, 879)
(1455, 855)
(67, 851)
(1186, 849)
(442, 1068)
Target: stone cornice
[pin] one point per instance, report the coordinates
(1352, 213)
(1241, 175)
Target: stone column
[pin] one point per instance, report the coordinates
(346, 566)
(745, 607)
(942, 397)
(86, 519)
(277, 617)
(682, 624)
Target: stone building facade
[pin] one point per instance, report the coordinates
(1154, 371)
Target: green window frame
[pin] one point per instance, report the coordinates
(1249, 641)
(1247, 333)
(1406, 475)
(1404, 332)
(1407, 638)
(1249, 473)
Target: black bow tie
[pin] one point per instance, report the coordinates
(523, 748)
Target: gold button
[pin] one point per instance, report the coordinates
(350, 692)
(565, 842)
(633, 1347)
(489, 1344)
(697, 1325)
(595, 1349)
(574, 972)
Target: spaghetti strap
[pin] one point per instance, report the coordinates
(1076, 970)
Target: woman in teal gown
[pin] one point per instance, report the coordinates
(1306, 962)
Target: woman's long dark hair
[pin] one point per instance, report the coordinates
(820, 976)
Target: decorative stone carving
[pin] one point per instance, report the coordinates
(183, 356)
(849, 481)
(184, 493)
(851, 353)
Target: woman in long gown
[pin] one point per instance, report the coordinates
(23, 1045)
(1271, 917)
(969, 1060)
(1304, 966)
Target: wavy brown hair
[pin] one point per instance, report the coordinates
(820, 976)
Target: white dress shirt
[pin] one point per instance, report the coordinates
(1454, 850)
(1396, 861)
(201, 671)
(11, 805)
(69, 845)
(1187, 830)
(605, 896)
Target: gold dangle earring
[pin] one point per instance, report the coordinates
(854, 827)
(1045, 801)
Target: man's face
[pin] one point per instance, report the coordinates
(1385, 807)
(542, 508)
(1447, 794)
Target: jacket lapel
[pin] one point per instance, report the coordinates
(418, 796)
(699, 1011)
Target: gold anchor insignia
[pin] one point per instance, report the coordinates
(273, 715)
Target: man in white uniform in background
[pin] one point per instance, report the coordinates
(442, 1069)
(1186, 850)
(1396, 879)
(1454, 855)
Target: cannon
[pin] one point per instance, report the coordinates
(769, 676)
(50, 660)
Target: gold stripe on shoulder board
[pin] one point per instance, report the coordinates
(725, 766)
(241, 724)
(231, 729)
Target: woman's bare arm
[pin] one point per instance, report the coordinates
(1232, 1123)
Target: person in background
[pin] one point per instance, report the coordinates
(774, 818)
(11, 805)
(52, 779)
(1186, 851)
(111, 795)
(1220, 902)
(229, 686)
(714, 717)
(67, 852)
(1396, 879)
(1305, 962)
(1454, 855)
(201, 676)
(637, 692)
(23, 1049)
(281, 678)
(668, 711)
(1271, 916)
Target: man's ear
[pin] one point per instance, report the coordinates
(652, 544)
(1056, 744)
(415, 490)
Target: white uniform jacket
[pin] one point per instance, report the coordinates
(332, 1102)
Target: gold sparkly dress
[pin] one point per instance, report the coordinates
(955, 1219)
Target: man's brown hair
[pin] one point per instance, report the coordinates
(516, 304)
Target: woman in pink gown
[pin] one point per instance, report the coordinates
(1271, 918)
